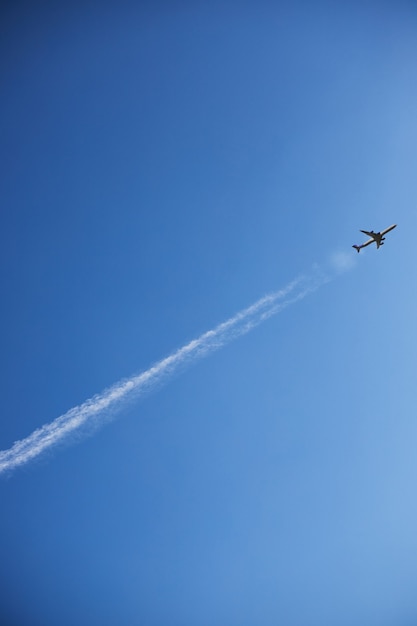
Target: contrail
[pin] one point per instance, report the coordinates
(100, 407)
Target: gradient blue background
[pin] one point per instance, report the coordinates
(164, 165)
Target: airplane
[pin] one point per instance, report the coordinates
(378, 238)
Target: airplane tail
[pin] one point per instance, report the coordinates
(358, 248)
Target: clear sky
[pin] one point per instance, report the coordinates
(164, 166)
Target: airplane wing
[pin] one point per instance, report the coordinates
(370, 233)
(384, 232)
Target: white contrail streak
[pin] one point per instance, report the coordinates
(97, 409)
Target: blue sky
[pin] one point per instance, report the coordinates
(164, 166)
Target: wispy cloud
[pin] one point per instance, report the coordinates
(103, 406)
(342, 261)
